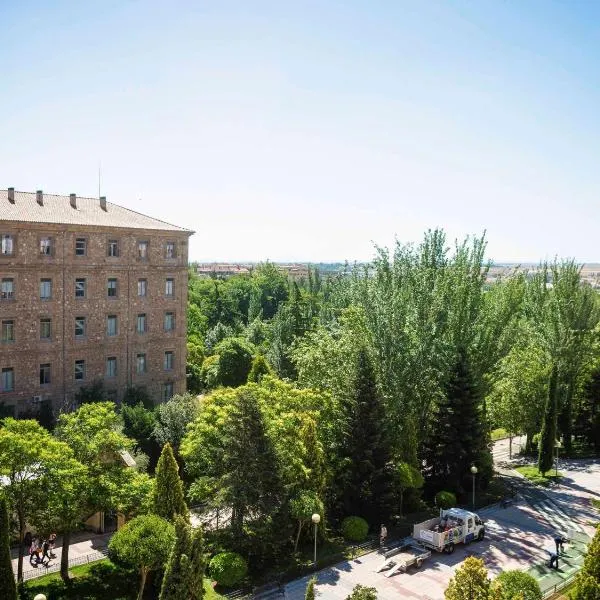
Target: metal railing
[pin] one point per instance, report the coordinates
(54, 567)
(558, 587)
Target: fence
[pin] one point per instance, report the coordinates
(559, 586)
(54, 567)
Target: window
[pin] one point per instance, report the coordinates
(7, 291)
(170, 250)
(142, 250)
(79, 327)
(112, 288)
(7, 247)
(46, 246)
(168, 360)
(8, 330)
(79, 370)
(167, 391)
(141, 363)
(141, 323)
(8, 380)
(45, 374)
(80, 288)
(111, 366)
(45, 329)
(113, 248)
(142, 287)
(111, 325)
(169, 287)
(80, 246)
(169, 321)
(45, 289)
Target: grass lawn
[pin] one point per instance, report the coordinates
(532, 473)
(100, 580)
(596, 503)
(499, 434)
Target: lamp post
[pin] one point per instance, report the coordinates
(40, 597)
(473, 472)
(557, 445)
(316, 518)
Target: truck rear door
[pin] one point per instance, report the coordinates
(470, 530)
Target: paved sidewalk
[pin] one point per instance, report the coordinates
(85, 547)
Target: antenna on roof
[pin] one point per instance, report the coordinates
(99, 178)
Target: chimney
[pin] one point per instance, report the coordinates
(73, 199)
(39, 196)
(11, 195)
(103, 202)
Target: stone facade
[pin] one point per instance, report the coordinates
(88, 288)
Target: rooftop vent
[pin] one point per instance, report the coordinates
(39, 196)
(11, 195)
(103, 202)
(73, 199)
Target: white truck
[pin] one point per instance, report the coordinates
(453, 526)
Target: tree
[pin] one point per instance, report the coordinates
(235, 361)
(260, 368)
(470, 582)
(365, 477)
(302, 508)
(145, 543)
(168, 497)
(310, 589)
(458, 436)
(587, 587)
(139, 424)
(590, 570)
(510, 584)
(409, 477)
(172, 419)
(361, 592)
(95, 392)
(183, 574)
(195, 357)
(25, 448)
(136, 394)
(548, 433)
(7, 578)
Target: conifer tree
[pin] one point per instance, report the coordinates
(548, 433)
(260, 367)
(587, 583)
(7, 579)
(458, 436)
(365, 475)
(470, 582)
(183, 578)
(168, 498)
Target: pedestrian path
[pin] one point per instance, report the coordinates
(85, 547)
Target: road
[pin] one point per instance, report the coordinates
(517, 537)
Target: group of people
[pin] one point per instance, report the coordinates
(40, 549)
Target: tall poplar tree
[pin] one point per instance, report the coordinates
(168, 497)
(548, 433)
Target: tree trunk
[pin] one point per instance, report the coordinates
(20, 559)
(300, 523)
(64, 557)
(401, 499)
(143, 573)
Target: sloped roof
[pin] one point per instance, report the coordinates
(58, 209)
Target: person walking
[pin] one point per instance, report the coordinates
(382, 535)
(52, 540)
(46, 551)
(34, 552)
(559, 540)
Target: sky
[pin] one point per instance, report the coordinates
(308, 131)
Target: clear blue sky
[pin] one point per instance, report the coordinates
(307, 130)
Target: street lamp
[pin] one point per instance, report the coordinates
(40, 597)
(316, 518)
(474, 472)
(557, 445)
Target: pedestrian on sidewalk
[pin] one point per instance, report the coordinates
(554, 560)
(46, 551)
(35, 552)
(560, 540)
(382, 535)
(52, 540)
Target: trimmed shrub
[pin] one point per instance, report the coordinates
(228, 568)
(445, 499)
(355, 529)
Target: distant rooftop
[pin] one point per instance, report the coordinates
(38, 207)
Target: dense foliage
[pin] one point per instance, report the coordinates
(355, 529)
(227, 568)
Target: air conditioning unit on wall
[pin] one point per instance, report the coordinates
(37, 399)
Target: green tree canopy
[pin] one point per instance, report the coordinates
(168, 496)
(7, 578)
(470, 581)
(514, 584)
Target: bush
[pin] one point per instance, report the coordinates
(509, 584)
(355, 529)
(228, 568)
(360, 592)
(445, 499)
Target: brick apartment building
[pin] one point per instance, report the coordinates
(88, 291)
